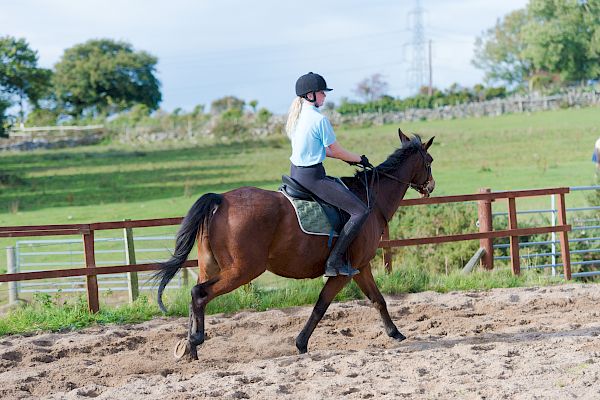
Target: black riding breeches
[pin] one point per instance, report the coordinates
(314, 179)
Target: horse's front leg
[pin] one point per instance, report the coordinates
(330, 290)
(366, 283)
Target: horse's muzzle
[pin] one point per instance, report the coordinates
(429, 187)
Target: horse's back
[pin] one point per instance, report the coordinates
(259, 228)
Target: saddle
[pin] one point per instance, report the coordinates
(315, 216)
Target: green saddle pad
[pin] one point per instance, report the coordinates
(311, 217)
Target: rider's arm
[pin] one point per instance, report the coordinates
(335, 150)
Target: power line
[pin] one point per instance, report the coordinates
(260, 50)
(270, 59)
(274, 79)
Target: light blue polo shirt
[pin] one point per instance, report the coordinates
(312, 134)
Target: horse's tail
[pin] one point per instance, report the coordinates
(196, 217)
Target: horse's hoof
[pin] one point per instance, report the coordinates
(302, 348)
(181, 349)
(398, 336)
(193, 354)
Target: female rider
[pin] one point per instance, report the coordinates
(312, 140)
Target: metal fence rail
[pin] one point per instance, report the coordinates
(581, 222)
(89, 270)
(34, 255)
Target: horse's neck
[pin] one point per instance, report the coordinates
(388, 193)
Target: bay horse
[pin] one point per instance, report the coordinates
(247, 231)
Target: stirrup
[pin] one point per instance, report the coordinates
(348, 270)
(345, 270)
(331, 271)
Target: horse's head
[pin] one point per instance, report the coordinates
(422, 180)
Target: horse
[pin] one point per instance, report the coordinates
(247, 231)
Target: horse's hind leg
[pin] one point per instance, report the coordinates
(331, 288)
(196, 325)
(203, 293)
(195, 335)
(366, 283)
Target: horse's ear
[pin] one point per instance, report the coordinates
(402, 136)
(429, 143)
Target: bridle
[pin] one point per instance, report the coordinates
(422, 188)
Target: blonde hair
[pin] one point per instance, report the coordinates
(293, 114)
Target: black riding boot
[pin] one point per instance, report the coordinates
(335, 263)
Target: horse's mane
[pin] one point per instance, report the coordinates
(397, 158)
(390, 165)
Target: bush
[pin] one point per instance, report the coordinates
(230, 124)
(454, 95)
(263, 116)
(435, 220)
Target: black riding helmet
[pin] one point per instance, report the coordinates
(311, 83)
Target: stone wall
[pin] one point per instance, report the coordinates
(144, 135)
(48, 142)
(516, 104)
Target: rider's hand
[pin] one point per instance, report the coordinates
(364, 161)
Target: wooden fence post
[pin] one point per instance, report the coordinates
(11, 262)
(387, 252)
(132, 277)
(186, 276)
(91, 280)
(484, 210)
(514, 240)
(564, 237)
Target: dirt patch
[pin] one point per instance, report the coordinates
(535, 343)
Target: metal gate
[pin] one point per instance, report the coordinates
(584, 240)
(43, 255)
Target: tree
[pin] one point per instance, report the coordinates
(563, 38)
(103, 77)
(226, 103)
(372, 88)
(499, 51)
(550, 42)
(253, 104)
(198, 110)
(4, 122)
(20, 78)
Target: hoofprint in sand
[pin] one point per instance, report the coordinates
(527, 343)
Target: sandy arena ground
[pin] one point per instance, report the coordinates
(535, 343)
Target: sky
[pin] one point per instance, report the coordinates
(255, 50)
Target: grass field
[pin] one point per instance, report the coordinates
(113, 182)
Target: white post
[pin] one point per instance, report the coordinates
(11, 261)
(553, 218)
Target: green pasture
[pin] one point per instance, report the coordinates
(114, 181)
